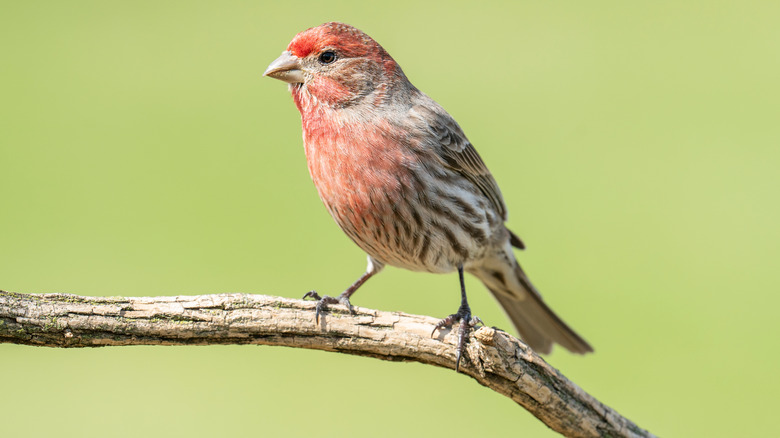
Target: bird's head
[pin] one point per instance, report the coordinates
(337, 65)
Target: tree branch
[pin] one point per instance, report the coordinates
(493, 358)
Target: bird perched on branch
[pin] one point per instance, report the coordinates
(401, 179)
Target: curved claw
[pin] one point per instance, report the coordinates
(345, 301)
(318, 309)
(323, 301)
(465, 326)
(465, 322)
(311, 294)
(446, 322)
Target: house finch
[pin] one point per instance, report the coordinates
(401, 179)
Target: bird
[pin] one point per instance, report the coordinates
(401, 179)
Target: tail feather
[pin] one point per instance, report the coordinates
(538, 341)
(537, 324)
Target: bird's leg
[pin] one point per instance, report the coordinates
(373, 267)
(463, 317)
(341, 299)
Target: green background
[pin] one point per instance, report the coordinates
(637, 145)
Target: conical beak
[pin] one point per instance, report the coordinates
(286, 68)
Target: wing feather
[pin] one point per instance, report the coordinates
(457, 153)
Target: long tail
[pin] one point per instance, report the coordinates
(538, 325)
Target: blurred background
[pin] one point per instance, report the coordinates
(637, 146)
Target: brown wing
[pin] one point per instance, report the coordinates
(457, 153)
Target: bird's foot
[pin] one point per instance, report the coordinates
(322, 303)
(466, 322)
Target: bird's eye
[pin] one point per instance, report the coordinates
(327, 57)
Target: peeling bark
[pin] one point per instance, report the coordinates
(493, 358)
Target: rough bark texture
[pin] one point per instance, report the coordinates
(494, 358)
